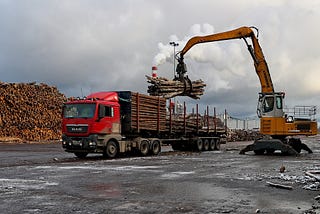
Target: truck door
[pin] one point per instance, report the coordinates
(108, 119)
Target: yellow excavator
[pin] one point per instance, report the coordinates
(275, 123)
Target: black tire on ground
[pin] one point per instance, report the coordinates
(198, 144)
(81, 154)
(155, 147)
(212, 144)
(112, 149)
(144, 147)
(206, 145)
(217, 144)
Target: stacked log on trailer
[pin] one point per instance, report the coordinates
(30, 111)
(180, 124)
(191, 123)
(161, 86)
(148, 112)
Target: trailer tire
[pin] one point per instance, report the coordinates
(217, 144)
(112, 149)
(144, 147)
(212, 144)
(206, 145)
(155, 147)
(81, 154)
(198, 145)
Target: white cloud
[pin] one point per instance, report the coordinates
(110, 45)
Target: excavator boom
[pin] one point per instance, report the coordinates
(260, 63)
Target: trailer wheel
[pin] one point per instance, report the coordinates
(112, 149)
(155, 147)
(206, 145)
(211, 145)
(81, 154)
(144, 147)
(217, 144)
(198, 144)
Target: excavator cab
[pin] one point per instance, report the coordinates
(270, 105)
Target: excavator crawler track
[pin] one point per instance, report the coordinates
(269, 146)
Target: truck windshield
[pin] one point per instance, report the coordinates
(80, 110)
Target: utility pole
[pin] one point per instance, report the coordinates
(174, 44)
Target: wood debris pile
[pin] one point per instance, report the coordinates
(166, 88)
(30, 111)
(243, 135)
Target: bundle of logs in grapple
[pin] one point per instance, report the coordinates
(166, 88)
(30, 111)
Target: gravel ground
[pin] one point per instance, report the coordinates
(42, 178)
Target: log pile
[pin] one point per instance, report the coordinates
(151, 110)
(166, 88)
(30, 111)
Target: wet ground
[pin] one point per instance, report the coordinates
(42, 178)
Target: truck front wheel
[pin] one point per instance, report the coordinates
(111, 150)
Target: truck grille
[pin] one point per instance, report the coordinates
(77, 128)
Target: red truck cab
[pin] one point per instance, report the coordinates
(85, 120)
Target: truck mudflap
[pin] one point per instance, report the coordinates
(269, 146)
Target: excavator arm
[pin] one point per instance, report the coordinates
(255, 50)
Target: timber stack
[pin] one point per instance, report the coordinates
(193, 123)
(30, 111)
(161, 86)
(151, 111)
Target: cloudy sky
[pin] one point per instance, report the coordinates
(82, 46)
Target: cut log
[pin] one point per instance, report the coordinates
(166, 88)
(314, 174)
(280, 186)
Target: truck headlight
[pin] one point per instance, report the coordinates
(92, 144)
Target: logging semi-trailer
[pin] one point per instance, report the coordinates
(113, 123)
